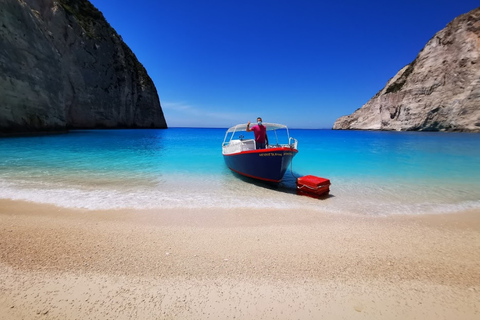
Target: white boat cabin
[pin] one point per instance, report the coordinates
(235, 141)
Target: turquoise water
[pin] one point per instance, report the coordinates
(372, 173)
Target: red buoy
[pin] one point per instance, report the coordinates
(313, 186)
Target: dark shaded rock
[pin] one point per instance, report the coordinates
(62, 66)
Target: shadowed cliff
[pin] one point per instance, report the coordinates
(62, 66)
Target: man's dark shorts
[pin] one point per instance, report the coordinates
(260, 145)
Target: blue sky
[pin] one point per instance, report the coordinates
(301, 63)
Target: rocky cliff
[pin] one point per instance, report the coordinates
(438, 91)
(63, 66)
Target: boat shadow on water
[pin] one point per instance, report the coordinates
(287, 185)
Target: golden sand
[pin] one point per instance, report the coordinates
(58, 263)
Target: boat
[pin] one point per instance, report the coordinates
(269, 164)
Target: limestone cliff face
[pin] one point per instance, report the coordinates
(62, 66)
(438, 91)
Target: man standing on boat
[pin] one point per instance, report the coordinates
(260, 133)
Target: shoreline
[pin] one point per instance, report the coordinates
(59, 263)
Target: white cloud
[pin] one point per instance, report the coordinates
(179, 114)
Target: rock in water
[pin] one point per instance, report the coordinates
(438, 91)
(62, 66)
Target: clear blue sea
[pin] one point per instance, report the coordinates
(372, 173)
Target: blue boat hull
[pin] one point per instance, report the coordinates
(265, 164)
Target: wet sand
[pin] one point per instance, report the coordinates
(58, 263)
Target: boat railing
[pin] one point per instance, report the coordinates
(234, 146)
(293, 143)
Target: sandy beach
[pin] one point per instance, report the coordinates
(58, 263)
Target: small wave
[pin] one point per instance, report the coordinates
(141, 198)
(234, 193)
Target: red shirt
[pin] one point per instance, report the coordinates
(260, 132)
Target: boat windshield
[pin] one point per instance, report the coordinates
(277, 133)
(269, 126)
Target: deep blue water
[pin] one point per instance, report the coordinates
(371, 172)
